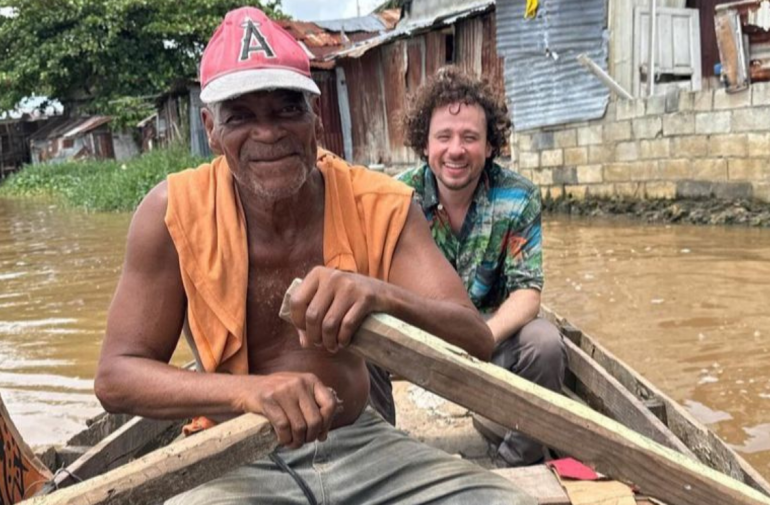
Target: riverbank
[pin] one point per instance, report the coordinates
(686, 211)
(99, 185)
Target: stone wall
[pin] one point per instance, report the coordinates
(683, 145)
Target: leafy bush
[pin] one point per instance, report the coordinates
(106, 185)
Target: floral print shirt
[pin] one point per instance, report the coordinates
(499, 248)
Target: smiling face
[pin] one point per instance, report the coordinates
(268, 139)
(457, 147)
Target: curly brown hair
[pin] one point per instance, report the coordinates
(452, 85)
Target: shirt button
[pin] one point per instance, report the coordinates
(440, 207)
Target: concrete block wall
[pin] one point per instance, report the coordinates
(702, 144)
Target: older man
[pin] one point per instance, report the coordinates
(213, 249)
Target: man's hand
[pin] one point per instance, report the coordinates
(330, 305)
(298, 405)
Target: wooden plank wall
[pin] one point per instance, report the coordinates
(381, 82)
(367, 108)
(330, 112)
(394, 61)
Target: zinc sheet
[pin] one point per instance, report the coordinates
(370, 23)
(544, 83)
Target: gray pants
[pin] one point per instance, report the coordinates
(368, 462)
(535, 353)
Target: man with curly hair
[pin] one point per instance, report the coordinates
(486, 221)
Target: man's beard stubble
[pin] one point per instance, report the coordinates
(260, 152)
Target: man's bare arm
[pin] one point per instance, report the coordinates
(435, 298)
(521, 307)
(424, 290)
(143, 328)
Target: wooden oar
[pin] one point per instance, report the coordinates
(173, 469)
(115, 449)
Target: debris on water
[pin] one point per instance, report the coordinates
(758, 439)
(757, 333)
(705, 414)
(701, 337)
(657, 301)
(685, 251)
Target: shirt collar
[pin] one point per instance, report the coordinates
(430, 193)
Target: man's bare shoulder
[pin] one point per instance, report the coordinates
(148, 236)
(153, 206)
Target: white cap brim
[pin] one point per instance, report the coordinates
(235, 84)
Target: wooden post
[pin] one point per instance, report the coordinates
(603, 76)
(653, 47)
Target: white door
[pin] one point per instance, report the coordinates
(677, 56)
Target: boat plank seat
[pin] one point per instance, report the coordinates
(539, 482)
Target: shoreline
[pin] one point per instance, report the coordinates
(680, 211)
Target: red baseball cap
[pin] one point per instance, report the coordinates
(250, 52)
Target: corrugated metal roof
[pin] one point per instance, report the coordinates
(323, 38)
(544, 82)
(54, 128)
(370, 23)
(429, 11)
(407, 26)
(69, 127)
(86, 125)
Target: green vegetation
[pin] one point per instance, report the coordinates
(106, 185)
(91, 55)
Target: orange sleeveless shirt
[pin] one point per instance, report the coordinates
(364, 215)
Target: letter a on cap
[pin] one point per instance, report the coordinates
(253, 41)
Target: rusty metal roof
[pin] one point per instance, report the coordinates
(322, 38)
(69, 127)
(87, 125)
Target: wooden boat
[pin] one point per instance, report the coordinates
(596, 378)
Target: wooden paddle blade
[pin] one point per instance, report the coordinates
(22, 474)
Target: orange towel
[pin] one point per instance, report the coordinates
(364, 215)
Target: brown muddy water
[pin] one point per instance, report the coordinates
(686, 306)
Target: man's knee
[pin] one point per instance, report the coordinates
(543, 339)
(536, 353)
